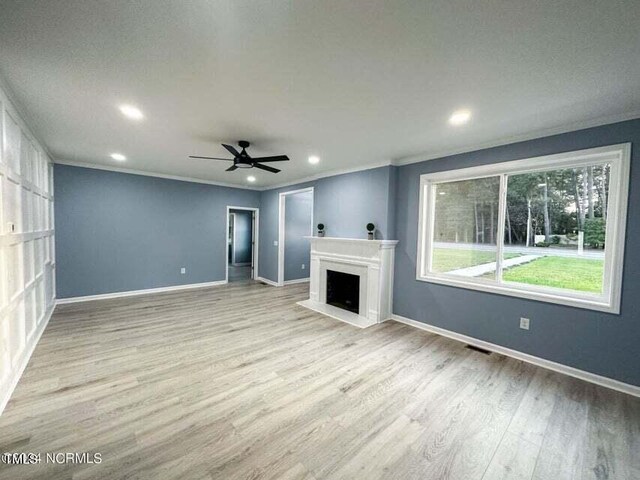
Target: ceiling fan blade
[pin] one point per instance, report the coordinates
(276, 158)
(265, 167)
(231, 168)
(213, 158)
(232, 150)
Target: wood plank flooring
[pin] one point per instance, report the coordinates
(238, 273)
(238, 382)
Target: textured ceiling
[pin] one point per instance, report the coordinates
(358, 82)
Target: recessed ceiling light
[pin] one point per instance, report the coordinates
(459, 117)
(251, 178)
(131, 112)
(313, 159)
(118, 156)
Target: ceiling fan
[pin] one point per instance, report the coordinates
(243, 160)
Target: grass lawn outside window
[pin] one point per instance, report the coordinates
(581, 274)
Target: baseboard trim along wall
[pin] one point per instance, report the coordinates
(286, 282)
(6, 395)
(133, 293)
(267, 281)
(298, 280)
(525, 357)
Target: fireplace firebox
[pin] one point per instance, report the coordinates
(343, 290)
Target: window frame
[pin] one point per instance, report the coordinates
(618, 156)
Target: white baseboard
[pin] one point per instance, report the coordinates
(267, 281)
(298, 280)
(6, 395)
(132, 293)
(286, 282)
(525, 357)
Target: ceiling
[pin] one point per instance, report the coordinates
(357, 83)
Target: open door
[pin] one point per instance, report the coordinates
(242, 244)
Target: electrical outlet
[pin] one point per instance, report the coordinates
(524, 323)
(275, 243)
(303, 266)
(183, 271)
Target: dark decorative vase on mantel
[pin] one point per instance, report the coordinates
(370, 228)
(321, 229)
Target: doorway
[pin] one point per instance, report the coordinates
(295, 223)
(241, 255)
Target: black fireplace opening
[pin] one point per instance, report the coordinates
(343, 290)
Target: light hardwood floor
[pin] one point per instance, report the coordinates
(239, 382)
(239, 273)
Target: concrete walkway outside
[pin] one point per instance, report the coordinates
(547, 251)
(479, 270)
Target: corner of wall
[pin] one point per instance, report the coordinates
(391, 203)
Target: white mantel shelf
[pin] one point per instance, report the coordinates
(383, 243)
(371, 260)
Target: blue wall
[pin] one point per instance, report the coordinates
(243, 227)
(297, 224)
(117, 232)
(344, 203)
(601, 343)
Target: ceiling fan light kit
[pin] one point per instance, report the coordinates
(243, 160)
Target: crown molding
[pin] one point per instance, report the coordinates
(329, 173)
(110, 168)
(537, 134)
(145, 173)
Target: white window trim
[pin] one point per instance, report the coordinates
(619, 156)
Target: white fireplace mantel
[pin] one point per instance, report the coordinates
(371, 260)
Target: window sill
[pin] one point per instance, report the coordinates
(586, 301)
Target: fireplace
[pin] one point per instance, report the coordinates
(351, 279)
(343, 290)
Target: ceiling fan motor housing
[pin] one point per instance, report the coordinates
(243, 161)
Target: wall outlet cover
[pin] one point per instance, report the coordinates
(183, 270)
(524, 323)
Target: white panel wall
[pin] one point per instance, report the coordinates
(27, 266)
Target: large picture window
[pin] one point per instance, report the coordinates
(546, 228)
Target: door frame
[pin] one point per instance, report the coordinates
(281, 226)
(255, 241)
(232, 225)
